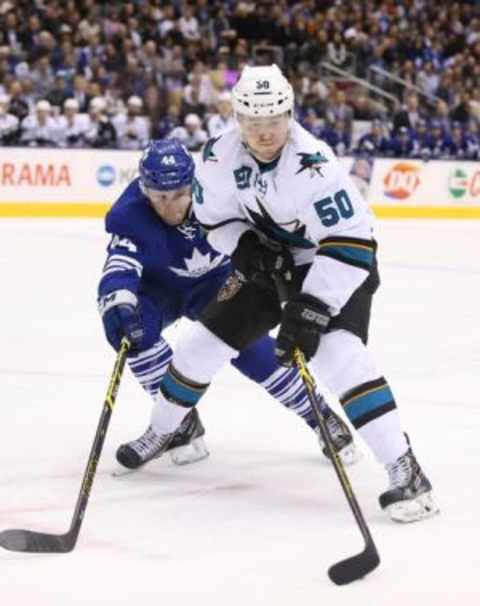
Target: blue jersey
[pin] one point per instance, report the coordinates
(174, 267)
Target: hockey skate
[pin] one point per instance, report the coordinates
(185, 445)
(409, 496)
(341, 437)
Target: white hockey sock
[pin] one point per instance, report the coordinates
(385, 437)
(349, 371)
(166, 416)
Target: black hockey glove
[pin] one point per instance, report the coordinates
(305, 318)
(256, 260)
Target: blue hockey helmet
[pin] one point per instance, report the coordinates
(166, 165)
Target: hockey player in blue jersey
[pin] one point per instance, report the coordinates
(160, 268)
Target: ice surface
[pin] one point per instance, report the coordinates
(261, 520)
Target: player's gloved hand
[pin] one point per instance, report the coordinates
(305, 318)
(121, 318)
(255, 259)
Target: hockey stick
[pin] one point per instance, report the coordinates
(41, 542)
(359, 565)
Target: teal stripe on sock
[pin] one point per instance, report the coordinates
(362, 405)
(180, 392)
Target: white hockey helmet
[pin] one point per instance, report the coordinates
(262, 91)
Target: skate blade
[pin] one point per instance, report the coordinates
(121, 472)
(421, 508)
(193, 452)
(349, 454)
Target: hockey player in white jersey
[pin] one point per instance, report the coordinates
(270, 182)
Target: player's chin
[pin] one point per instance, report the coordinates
(174, 220)
(269, 151)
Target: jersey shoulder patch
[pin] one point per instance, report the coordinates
(208, 153)
(313, 162)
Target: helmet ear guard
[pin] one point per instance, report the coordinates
(166, 165)
(262, 91)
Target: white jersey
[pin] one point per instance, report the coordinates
(33, 131)
(8, 124)
(304, 200)
(132, 132)
(70, 132)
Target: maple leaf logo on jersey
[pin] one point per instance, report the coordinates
(313, 162)
(208, 153)
(291, 233)
(198, 265)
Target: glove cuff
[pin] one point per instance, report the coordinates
(117, 297)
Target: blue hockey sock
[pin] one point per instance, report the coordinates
(150, 365)
(259, 363)
(286, 386)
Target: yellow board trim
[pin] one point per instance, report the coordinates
(427, 212)
(93, 210)
(34, 209)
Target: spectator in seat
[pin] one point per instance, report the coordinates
(40, 129)
(462, 111)
(101, 132)
(373, 143)
(19, 102)
(168, 121)
(337, 137)
(133, 131)
(428, 79)
(441, 115)
(58, 93)
(435, 140)
(312, 122)
(337, 53)
(72, 125)
(222, 120)
(341, 110)
(363, 109)
(420, 139)
(188, 24)
(192, 135)
(80, 94)
(401, 145)
(9, 123)
(472, 137)
(408, 116)
(455, 145)
(42, 76)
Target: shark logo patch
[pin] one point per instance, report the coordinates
(290, 234)
(312, 162)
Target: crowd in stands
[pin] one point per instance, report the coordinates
(112, 74)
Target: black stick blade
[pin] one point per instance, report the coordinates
(356, 567)
(36, 542)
